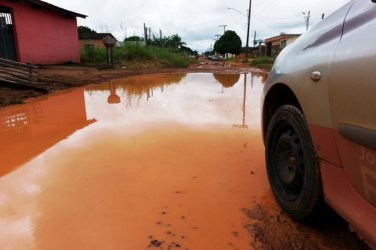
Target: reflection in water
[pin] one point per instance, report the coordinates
(227, 80)
(136, 173)
(191, 99)
(135, 88)
(28, 130)
(263, 74)
(113, 98)
(148, 85)
(243, 125)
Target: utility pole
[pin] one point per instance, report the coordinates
(243, 125)
(160, 37)
(224, 27)
(218, 36)
(254, 40)
(145, 35)
(306, 18)
(149, 35)
(249, 23)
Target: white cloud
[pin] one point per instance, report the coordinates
(197, 21)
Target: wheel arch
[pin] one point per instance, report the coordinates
(279, 94)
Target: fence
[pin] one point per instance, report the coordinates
(19, 75)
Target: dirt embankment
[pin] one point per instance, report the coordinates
(57, 78)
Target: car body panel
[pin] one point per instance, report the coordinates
(305, 56)
(349, 204)
(340, 107)
(325, 144)
(353, 98)
(294, 66)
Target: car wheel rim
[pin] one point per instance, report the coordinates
(289, 162)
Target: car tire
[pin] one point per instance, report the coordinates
(292, 164)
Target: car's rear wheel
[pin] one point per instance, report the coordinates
(292, 164)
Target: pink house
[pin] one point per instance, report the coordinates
(33, 31)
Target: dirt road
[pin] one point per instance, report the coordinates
(162, 161)
(57, 78)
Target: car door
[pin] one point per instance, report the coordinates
(352, 91)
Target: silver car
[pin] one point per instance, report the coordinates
(319, 120)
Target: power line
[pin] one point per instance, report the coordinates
(224, 27)
(270, 27)
(266, 7)
(279, 18)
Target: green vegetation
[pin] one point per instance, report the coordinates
(263, 62)
(85, 30)
(92, 55)
(230, 42)
(169, 52)
(133, 39)
(137, 56)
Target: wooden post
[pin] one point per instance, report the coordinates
(160, 37)
(149, 35)
(145, 35)
(109, 42)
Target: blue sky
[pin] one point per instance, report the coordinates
(197, 21)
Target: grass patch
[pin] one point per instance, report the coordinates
(263, 60)
(263, 63)
(93, 55)
(245, 60)
(136, 55)
(169, 58)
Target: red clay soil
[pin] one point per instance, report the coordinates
(179, 223)
(57, 78)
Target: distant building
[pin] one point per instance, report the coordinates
(276, 44)
(33, 31)
(92, 40)
(251, 50)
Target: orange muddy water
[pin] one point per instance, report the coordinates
(167, 161)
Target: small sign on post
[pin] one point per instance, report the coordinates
(109, 42)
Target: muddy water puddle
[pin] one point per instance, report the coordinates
(167, 161)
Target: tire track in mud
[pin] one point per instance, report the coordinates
(270, 228)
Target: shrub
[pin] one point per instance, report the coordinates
(93, 55)
(135, 53)
(169, 57)
(138, 55)
(262, 60)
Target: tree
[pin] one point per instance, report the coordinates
(133, 39)
(227, 80)
(230, 42)
(174, 41)
(85, 30)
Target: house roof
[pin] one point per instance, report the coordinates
(51, 7)
(281, 37)
(94, 36)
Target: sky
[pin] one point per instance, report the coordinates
(198, 21)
